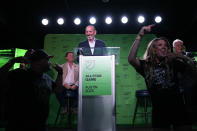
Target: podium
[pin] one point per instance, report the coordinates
(96, 103)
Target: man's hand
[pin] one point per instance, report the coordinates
(74, 87)
(67, 86)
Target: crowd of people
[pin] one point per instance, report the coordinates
(161, 70)
(29, 90)
(170, 79)
(29, 87)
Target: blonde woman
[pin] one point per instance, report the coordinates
(159, 67)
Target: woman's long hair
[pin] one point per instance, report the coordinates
(150, 58)
(149, 54)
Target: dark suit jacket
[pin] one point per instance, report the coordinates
(98, 51)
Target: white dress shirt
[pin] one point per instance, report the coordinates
(70, 76)
(92, 45)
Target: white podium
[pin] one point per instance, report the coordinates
(96, 105)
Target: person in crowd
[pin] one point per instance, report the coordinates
(23, 60)
(186, 82)
(159, 67)
(27, 55)
(7, 66)
(29, 92)
(4, 87)
(91, 46)
(3, 80)
(70, 83)
(178, 47)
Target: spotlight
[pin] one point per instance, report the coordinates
(60, 21)
(108, 20)
(45, 21)
(92, 20)
(77, 21)
(124, 19)
(141, 19)
(158, 19)
(105, 1)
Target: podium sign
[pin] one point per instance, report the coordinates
(96, 106)
(96, 76)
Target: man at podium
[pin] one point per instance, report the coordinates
(91, 46)
(96, 84)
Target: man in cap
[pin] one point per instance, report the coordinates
(29, 93)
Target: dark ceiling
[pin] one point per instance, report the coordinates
(20, 25)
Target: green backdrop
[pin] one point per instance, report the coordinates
(127, 80)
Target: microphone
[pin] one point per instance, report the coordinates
(189, 54)
(80, 51)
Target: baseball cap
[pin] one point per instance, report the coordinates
(38, 55)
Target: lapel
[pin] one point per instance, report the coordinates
(65, 70)
(96, 46)
(76, 70)
(88, 50)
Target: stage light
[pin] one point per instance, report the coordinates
(77, 21)
(124, 19)
(45, 21)
(105, 1)
(108, 20)
(92, 20)
(60, 21)
(141, 19)
(158, 19)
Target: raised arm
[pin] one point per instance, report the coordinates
(6, 68)
(132, 58)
